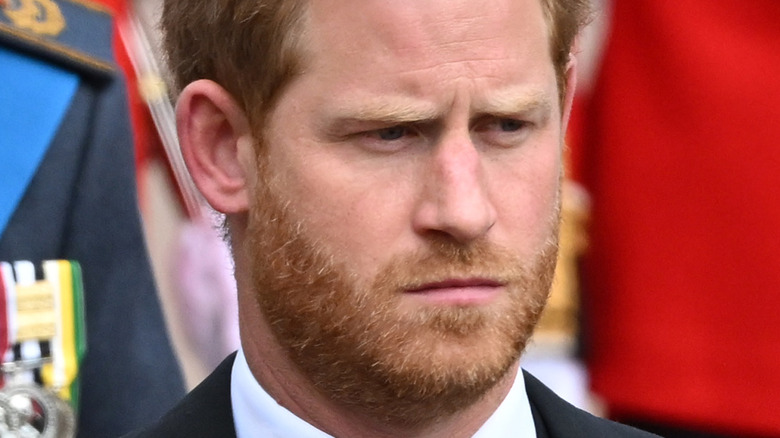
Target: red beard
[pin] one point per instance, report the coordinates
(360, 347)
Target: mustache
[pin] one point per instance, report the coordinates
(445, 260)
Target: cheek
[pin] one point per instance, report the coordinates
(357, 216)
(526, 196)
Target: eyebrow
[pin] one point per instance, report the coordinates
(511, 101)
(393, 110)
(390, 110)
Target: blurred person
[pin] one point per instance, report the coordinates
(679, 153)
(67, 191)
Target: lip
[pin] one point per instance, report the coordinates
(458, 292)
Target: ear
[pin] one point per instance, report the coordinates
(217, 145)
(571, 86)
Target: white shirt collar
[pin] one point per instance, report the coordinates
(256, 413)
(513, 416)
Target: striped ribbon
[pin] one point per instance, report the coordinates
(45, 324)
(9, 287)
(69, 343)
(30, 330)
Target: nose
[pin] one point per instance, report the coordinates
(455, 199)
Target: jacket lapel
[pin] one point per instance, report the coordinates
(206, 412)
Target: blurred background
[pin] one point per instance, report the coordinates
(666, 308)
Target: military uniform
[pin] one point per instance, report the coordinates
(681, 158)
(67, 191)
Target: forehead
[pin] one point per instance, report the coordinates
(382, 37)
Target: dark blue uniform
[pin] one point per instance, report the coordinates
(67, 191)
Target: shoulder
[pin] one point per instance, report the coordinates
(559, 419)
(74, 34)
(205, 412)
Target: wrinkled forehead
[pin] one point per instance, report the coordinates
(426, 29)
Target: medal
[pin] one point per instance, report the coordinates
(31, 411)
(42, 345)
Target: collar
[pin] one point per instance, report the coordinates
(256, 413)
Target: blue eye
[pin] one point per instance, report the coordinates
(391, 133)
(511, 125)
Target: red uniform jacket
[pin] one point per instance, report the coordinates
(682, 158)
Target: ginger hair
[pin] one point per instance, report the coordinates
(253, 48)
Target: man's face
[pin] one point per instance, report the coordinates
(404, 230)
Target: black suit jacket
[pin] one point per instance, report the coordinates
(206, 413)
